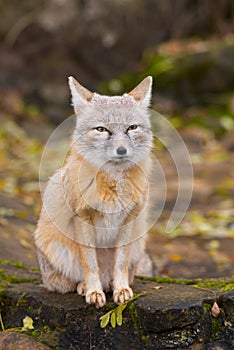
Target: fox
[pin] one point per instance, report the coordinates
(92, 230)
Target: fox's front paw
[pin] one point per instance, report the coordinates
(122, 295)
(81, 288)
(96, 298)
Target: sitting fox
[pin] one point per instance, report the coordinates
(92, 229)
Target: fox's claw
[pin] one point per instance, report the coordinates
(122, 295)
(93, 297)
(96, 298)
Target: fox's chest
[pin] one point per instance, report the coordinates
(107, 228)
(108, 202)
(128, 188)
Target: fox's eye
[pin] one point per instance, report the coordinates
(132, 127)
(101, 129)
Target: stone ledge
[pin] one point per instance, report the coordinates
(169, 316)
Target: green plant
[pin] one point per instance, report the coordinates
(115, 316)
(27, 325)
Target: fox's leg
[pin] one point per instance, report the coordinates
(121, 290)
(52, 279)
(81, 288)
(91, 287)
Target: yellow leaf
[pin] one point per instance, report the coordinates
(175, 257)
(27, 323)
(25, 244)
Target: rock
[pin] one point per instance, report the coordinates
(227, 302)
(167, 316)
(170, 308)
(13, 341)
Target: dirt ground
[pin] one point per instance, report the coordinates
(202, 245)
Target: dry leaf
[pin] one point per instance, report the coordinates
(26, 244)
(175, 258)
(215, 310)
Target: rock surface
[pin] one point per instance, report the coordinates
(13, 341)
(167, 316)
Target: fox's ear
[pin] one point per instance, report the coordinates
(80, 95)
(142, 92)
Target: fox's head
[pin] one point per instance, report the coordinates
(112, 130)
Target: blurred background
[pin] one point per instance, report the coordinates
(109, 46)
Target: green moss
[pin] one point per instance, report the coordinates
(21, 301)
(46, 336)
(15, 279)
(16, 264)
(4, 299)
(3, 287)
(224, 284)
(30, 308)
(4, 262)
(34, 268)
(145, 337)
(216, 322)
(135, 318)
(216, 325)
(184, 335)
(169, 280)
(207, 306)
(35, 333)
(108, 306)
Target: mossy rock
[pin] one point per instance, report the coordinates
(167, 315)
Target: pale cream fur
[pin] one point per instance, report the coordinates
(92, 228)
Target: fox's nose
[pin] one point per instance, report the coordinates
(121, 151)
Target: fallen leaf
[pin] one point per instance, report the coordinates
(27, 323)
(25, 244)
(175, 258)
(215, 310)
